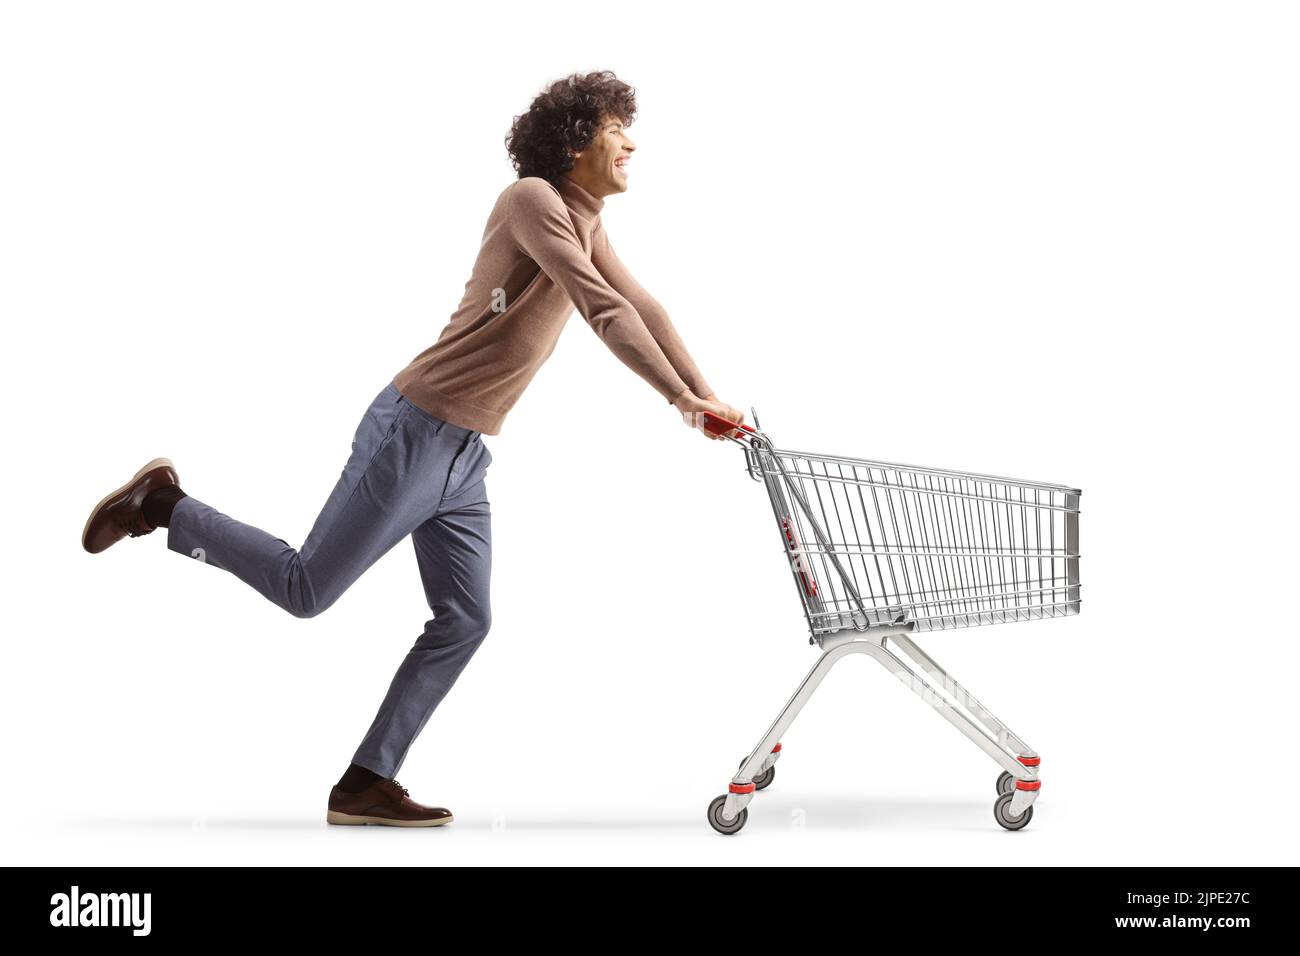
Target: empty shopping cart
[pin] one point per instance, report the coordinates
(880, 552)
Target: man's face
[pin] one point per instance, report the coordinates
(602, 167)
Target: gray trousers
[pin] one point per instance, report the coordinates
(410, 473)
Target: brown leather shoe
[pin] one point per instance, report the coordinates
(385, 802)
(119, 513)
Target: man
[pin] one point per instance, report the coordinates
(418, 461)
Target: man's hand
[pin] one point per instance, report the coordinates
(690, 405)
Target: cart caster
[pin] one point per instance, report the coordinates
(764, 779)
(725, 826)
(1002, 813)
(1006, 783)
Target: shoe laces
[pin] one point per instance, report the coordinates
(135, 525)
(397, 786)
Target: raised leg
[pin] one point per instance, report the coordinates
(391, 483)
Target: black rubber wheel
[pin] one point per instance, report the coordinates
(724, 826)
(764, 779)
(1002, 813)
(1006, 783)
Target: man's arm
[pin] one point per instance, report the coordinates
(540, 224)
(652, 313)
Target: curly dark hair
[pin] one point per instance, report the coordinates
(564, 117)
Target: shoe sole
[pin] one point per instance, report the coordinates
(353, 820)
(157, 462)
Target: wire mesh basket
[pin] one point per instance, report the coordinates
(880, 543)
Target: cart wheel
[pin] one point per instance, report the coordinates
(1002, 813)
(1006, 782)
(764, 779)
(721, 825)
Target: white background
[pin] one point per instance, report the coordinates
(1052, 241)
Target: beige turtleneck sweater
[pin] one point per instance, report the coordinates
(544, 252)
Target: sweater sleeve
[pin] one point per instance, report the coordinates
(652, 313)
(540, 225)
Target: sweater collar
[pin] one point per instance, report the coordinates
(579, 200)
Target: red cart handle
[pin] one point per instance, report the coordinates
(716, 425)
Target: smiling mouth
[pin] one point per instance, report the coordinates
(620, 165)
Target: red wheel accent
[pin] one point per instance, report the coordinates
(1030, 761)
(776, 749)
(741, 788)
(1028, 784)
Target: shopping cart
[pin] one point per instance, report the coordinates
(881, 551)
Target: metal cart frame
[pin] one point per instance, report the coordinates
(918, 549)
